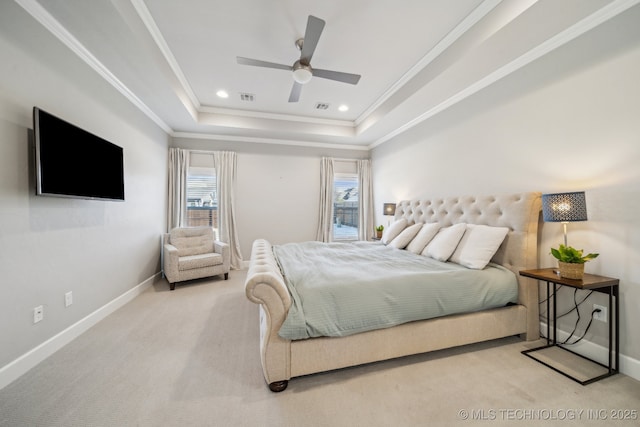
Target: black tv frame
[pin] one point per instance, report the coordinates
(74, 163)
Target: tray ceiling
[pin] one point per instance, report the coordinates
(416, 58)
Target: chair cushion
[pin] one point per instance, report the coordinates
(192, 241)
(190, 262)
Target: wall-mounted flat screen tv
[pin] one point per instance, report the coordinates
(71, 162)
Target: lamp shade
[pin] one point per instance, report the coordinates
(389, 209)
(564, 207)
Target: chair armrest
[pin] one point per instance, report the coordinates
(224, 250)
(170, 266)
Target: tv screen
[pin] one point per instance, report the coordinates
(71, 162)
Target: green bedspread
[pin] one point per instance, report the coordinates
(341, 289)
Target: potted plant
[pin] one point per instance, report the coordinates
(379, 230)
(571, 261)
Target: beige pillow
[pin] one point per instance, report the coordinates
(444, 243)
(424, 236)
(478, 245)
(393, 230)
(405, 236)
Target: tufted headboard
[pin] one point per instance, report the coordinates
(519, 212)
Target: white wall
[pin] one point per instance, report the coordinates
(48, 246)
(568, 122)
(278, 198)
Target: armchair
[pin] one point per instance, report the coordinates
(192, 253)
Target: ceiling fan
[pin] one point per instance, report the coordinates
(302, 71)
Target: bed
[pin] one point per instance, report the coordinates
(285, 356)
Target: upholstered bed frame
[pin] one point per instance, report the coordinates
(283, 359)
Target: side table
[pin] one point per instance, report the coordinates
(593, 282)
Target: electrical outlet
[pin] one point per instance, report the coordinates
(68, 299)
(602, 314)
(38, 314)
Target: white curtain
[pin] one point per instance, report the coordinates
(325, 225)
(365, 201)
(177, 205)
(225, 164)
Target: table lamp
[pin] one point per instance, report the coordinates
(564, 208)
(389, 209)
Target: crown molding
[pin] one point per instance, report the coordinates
(33, 8)
(473, 18)
(595, 19)
(262, 140)
(276, 116)
(158, 38)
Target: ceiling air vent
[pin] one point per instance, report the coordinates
(249, 97)
(322, 106)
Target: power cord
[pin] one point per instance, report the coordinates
(597, 310)
(568, 312)
(575, 308)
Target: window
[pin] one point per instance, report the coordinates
(345, 206)
(202, 197)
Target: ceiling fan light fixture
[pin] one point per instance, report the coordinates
(301, 69)
(302, 73)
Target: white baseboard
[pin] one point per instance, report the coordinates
(628, 365)
(27, 361)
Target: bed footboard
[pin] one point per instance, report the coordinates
(265, 286)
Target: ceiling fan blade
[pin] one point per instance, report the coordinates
(295, 92)
(337, 75)
(311, 37)
(258, 63)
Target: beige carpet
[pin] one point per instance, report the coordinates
(190, 358)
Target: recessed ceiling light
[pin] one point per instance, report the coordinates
(222, 94)
(343, 108)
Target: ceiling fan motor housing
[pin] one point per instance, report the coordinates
(302, 73)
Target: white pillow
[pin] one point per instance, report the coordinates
(444, 243)
(403, 239)
(478, 245)
(424, 236)
(393, 230)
